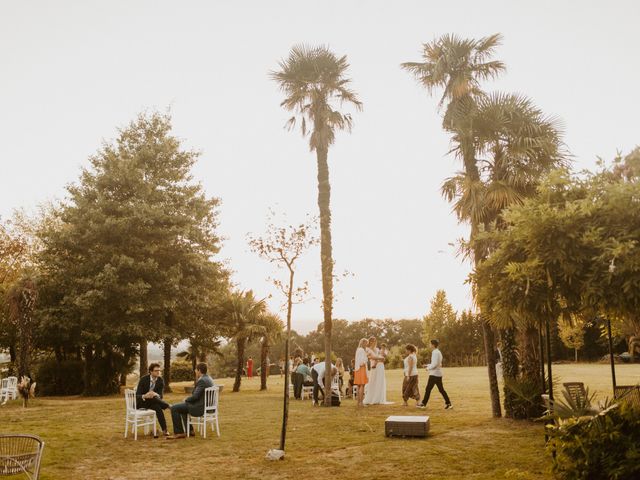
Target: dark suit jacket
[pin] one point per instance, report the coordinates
(143, 387)
(196, 401)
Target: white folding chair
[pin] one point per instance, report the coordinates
(211, 396)
(307, 390)
(9, 389)
(137, 417)
(335, 386)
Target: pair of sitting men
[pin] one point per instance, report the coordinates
(149, 395)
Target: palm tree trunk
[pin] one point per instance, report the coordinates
(167, 364)
(240, 344)
(326, 260)
(264, 352)
(530, 354)
(490, 354)
(510, 367)
(144, 358)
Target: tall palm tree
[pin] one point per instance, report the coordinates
(273, 327)
(241, 314)
(515, 144)
(313, 80)
(458, 66)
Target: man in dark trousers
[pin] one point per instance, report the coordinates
(193, 405)
(435, 377)
(149, 395)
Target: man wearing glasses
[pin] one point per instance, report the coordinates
(149, 395)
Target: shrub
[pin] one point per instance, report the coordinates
(395, 359)
(182, 371)
(64, 378)
(604, 446)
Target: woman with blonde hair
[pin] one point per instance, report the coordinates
(360, 375)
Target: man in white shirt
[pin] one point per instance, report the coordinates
(317, 374)
(435, 377)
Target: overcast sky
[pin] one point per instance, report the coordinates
(73, 71)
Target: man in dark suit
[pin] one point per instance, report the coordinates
(149, 395)
(193, 405)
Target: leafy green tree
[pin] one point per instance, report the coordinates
(313, 80)
(441, 313)
(129, 256)
(572, 333)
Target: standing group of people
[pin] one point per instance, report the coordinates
(369, 377)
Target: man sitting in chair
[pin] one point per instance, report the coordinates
(193, 405)
(149, 395)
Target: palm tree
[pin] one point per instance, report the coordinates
(313, 80)
(272, 333)
(457, 66)
(515, 144)
(242, 314)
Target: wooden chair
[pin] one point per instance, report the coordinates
(20, 455)
(137, 417)
(576, 391)
(211, 396)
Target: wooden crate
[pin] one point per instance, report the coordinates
(406, 426)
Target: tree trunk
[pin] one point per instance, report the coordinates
(326, 260)
(490, 355)
(144, 358)
(240, 344)
(12, 353)
(530, 354)
(264, 353)
(287, 374)
(510, 367)
(88, 369)
(576, 350)
(167, 364)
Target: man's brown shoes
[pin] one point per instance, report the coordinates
(176, 436)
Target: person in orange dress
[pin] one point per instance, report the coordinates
(360, 375)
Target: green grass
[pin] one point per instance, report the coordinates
(84, 436)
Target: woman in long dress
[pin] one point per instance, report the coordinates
(376, 390)
(360, 370)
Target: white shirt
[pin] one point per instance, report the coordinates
(361, 358)
(435, 367)
(319, 368)
(414, 368)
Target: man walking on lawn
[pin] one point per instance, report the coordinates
(435, 377)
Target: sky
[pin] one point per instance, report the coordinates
(73, 72)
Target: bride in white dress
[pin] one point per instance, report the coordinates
(375, 391)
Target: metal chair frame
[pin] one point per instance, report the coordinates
(20, 454)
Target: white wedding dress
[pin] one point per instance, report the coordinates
(375, 391)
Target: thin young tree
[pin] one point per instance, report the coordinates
(314, 81)
(284, 246)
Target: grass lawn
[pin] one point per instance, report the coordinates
(84, 436)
